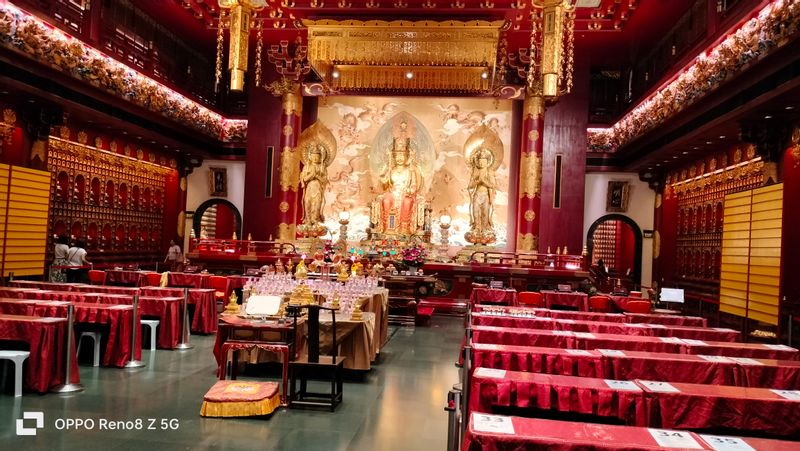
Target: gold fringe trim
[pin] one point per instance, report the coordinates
(240, 409)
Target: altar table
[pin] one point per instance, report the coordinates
(46, 338)
(590, 396)
(378, 304)
(353, 337)
(667, 320)
(534, 433)
(574, 299)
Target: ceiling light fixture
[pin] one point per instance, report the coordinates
(335, 74)
(409, 75)
(768, 117)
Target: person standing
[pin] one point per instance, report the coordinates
(57, 272)
(76, 258)
(174, 257)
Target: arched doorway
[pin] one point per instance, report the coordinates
(617, 240)
(218, 218)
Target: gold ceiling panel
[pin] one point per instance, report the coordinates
(404, 55)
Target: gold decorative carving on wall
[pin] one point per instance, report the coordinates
(530, 215)
(183, 184)
(283, 207)
(530, 175)
(9, 116)
(83, 138)
(534, 107)
(404, 55)
(181, 223)
(527, 242)
(656, 245)
(533, 135)
(795, 148)
(658, 201)
(287, 130)
(286, 232)
(64, 132)
(747, 171)
(290, 170)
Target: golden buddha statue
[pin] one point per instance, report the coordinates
(317, 148)
(484, 159)
(398, 210)
(301, 271)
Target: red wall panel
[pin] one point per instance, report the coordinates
(565, 134)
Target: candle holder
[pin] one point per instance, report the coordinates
(344, 220)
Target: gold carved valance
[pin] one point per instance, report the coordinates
(404, 55)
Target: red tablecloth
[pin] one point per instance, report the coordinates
(55, 286)
(66, 296)
(698, 406)
(570, 299)
(493, 296)
(14, 292)
(12, 306)
(752, 350)
(770, 373)
(179, 279)
(586, 316)
(521, 337)
(129, 291)
(129, 278)
(670, 367)
(204, 320)
(168, 311)
(118, 319)
(534, 433)
(538, 359)
(46, 338)
(621, 302)
(667, 320)
(649, 330)
(590, 396)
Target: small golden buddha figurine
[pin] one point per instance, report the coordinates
(279, 268)
(335, 304)
(356, 269)
(342, 275)
(233, 307)
(357, 314)
(302, 295)
(301, 272)
(377, 269)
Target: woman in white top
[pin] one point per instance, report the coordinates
(77, 258)
(57, 273)
(174, 260)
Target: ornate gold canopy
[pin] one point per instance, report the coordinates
(402, 55)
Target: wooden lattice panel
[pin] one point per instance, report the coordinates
(751, 254)
(27, 202)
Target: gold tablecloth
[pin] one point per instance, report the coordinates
(355, 339)
(378, 304)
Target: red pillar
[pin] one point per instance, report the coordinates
(292, 110)
(530, 174)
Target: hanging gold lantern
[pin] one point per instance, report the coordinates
(241, 13)
(558, 17)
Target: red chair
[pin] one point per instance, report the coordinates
(600, 304)
(530, 299)
(153, 279)
(638, 307)
(220, 285)
(97, 277)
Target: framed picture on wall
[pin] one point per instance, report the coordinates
(617, 196)
(218, 182)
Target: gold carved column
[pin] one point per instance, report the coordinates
(530, 174)
(292, 104)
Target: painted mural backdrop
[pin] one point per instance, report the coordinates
(440, 126)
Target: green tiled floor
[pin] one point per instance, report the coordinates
(397, 406)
